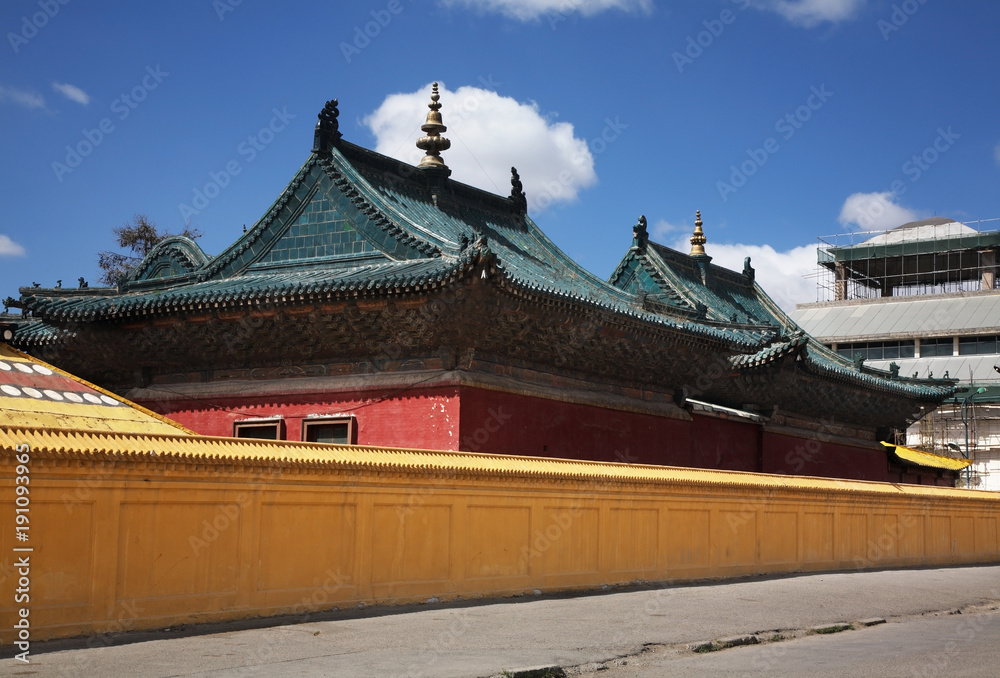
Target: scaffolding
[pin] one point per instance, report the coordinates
(933, 256)
(944, 427)
(928, 257)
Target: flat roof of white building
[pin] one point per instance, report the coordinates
(910, 317)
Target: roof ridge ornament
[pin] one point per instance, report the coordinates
(698, 240)
(517, 191)
(433, 143)
(639, 234)
(698, 253)
(327, 128)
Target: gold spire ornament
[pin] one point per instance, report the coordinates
(698, 240)
(433, 143)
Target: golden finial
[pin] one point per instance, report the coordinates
(698, 239)
(433, 143)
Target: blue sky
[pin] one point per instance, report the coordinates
(781, 120)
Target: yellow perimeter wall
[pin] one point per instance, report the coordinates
(129, 540)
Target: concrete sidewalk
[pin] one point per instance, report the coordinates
(474, 639)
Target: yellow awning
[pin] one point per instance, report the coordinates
(929, 459)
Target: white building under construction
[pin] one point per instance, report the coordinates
(923, 299)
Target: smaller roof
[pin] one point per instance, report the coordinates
(689, 285)
(37, 395)
(899, 317)
(977, 369)
(927, 459)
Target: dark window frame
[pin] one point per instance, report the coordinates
(350, 420)
(980, 345)
(946, 343)
(878, 350)
(276, 423)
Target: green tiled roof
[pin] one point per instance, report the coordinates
(734, 301)
(356, 223)
(353, 223)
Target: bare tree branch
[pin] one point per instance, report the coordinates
(138, 236)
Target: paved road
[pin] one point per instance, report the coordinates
(476, 640)
(945, 645)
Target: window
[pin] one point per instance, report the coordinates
(263, 429)
(877, 350)
(977, 345)
(934, 347)
(335, 430)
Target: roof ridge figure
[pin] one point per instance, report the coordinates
(517, 190)
(327, 128)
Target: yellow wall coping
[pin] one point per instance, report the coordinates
(201, 450)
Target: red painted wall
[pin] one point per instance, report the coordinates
(797, 456)
(728, 444)
(418, 418)
(480, 420)
(508, 423)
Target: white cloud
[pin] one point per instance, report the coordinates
(490, 133)
(72, 92)
(527, 10)
(809, 13)
(663, 230)
(21, 97)
(780, 274)
(874, 212)
(9, 248)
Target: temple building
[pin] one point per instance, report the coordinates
(378, 303)
(922, 298)
(134, 522)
